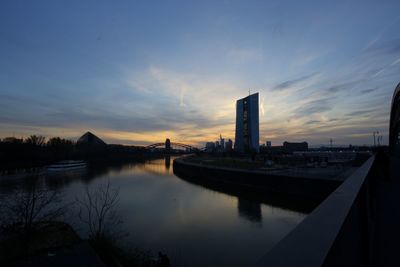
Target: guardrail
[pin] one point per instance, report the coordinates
(338, 232)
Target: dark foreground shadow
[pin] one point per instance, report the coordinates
(244, 194)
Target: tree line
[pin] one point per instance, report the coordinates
(36, 150)
(33, 150)
(38, 140)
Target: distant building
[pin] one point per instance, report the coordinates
(222, 142)
(91, 140)
(228, 145)
(268, 144)
(210, 147)
(247, 124)
(292, 147)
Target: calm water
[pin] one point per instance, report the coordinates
(193, 225)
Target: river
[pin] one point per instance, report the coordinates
(193, 224)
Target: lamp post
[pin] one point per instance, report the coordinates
(374, 133)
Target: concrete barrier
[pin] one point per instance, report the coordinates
(337, 233)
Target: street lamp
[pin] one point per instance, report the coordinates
(374, 133)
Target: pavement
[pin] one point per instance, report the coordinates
(328, 173)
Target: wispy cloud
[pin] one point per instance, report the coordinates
(313, 122)
(262, 104)
(289, 83)
(313, 107)
(387, 46)
(362, 112)
(343, 86)
(376, 39)
(395, 62)
(367, 91)
(180, 75)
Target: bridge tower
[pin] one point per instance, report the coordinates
(167, 145)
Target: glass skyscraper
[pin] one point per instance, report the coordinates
(247, 124)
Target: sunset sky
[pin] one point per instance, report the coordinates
(136, 72)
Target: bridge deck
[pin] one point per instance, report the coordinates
(173, 144)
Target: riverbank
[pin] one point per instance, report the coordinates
(23, 168)
(306, 184)
(50, 244)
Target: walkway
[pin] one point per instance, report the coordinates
(387, 241)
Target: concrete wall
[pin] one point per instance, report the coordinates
(337, 233)
(257, 181)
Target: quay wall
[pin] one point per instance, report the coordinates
(256, 181)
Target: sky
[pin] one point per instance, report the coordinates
(137, 72)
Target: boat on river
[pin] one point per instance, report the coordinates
(67, 165)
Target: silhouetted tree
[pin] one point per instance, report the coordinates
(97, 211)
(36, 140)
(57, 142)
(28, 206)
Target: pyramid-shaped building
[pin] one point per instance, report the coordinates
(89, 139)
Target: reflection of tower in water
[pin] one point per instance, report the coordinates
(167, 162)
(167, 145)
(250, 210)
(161, 166)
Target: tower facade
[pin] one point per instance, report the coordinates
(247, 125)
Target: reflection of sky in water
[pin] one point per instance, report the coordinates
(194, 225)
